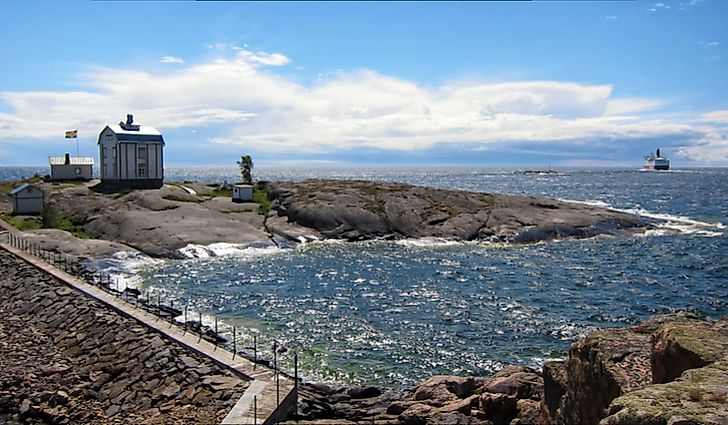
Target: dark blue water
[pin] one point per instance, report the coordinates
(393, 313)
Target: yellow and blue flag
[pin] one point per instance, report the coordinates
(71, 134)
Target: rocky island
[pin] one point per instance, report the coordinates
(160, 222)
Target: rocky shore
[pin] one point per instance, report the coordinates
(160, 222)
(360, 210)
(67, 359)
(669, 370)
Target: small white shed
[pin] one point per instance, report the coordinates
(242, 193)
(69, 167)
(27, 199)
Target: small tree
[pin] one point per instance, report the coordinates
(246, 168)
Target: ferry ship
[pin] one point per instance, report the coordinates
(655, 161)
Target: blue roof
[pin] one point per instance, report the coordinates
(154, 138)
(21, 188)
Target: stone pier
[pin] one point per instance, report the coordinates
(73, 353)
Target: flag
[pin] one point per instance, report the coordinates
(71, 134)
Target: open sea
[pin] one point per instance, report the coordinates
(396, 313)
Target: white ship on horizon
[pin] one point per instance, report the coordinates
(655, 161)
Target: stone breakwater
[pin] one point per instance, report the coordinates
(65, 358)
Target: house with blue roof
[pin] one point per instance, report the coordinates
(27, 199)
(131, 156)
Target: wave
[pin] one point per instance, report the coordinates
(224, 249)
(123, 267)
(666, 223)
(428, 242)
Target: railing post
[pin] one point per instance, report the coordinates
(275, 369)
(255, 350)
(295, 382)
(215, 349)
(185, 332)
(235, 343)
(200, 338)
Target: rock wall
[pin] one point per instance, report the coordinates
(65, 358)
(670, 369)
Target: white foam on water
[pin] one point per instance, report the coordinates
(221, 249)
(429, 242)
(667, 223)
(123, 267)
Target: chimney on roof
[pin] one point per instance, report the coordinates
(67, 159)
(129, 124)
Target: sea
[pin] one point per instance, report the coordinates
(393, 313)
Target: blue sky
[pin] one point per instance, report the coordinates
(329, 84)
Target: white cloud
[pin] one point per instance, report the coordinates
(171, 59)
(709, 43)
(610, 18)
(617, 107)
(263, 58)
(657, 6)
(716, 116)
(250, 106)
(711, 149)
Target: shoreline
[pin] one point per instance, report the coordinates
(348, 402)
(622, 365)
(161, 222)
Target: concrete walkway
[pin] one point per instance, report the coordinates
(260, 392)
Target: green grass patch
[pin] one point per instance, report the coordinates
(49, 220)
(260, 196)
(73, 225)
(22, 224)
(63, 223)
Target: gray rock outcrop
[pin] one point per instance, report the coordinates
(357, 210)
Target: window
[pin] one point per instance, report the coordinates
(109, 137)
(77, 171)
(142, 152)
(142, 171)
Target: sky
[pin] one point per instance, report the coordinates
(539, 83)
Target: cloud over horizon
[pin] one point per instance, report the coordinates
(244, 101)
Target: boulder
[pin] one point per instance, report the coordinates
(680, 346)
(445, 387)
(416, 414)
(555, 380)
(601, 367)
(518, 381)
(500, 409)
(698, 397)
(461, 406)
(364, 392)
(529, 412)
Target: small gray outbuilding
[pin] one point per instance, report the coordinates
(242, 193)
(71, 167)
(27, 199)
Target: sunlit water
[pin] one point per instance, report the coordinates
(393, 313)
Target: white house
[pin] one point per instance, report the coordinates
(27, 199)
(242, 193)
(69, 167)
(131, 155)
